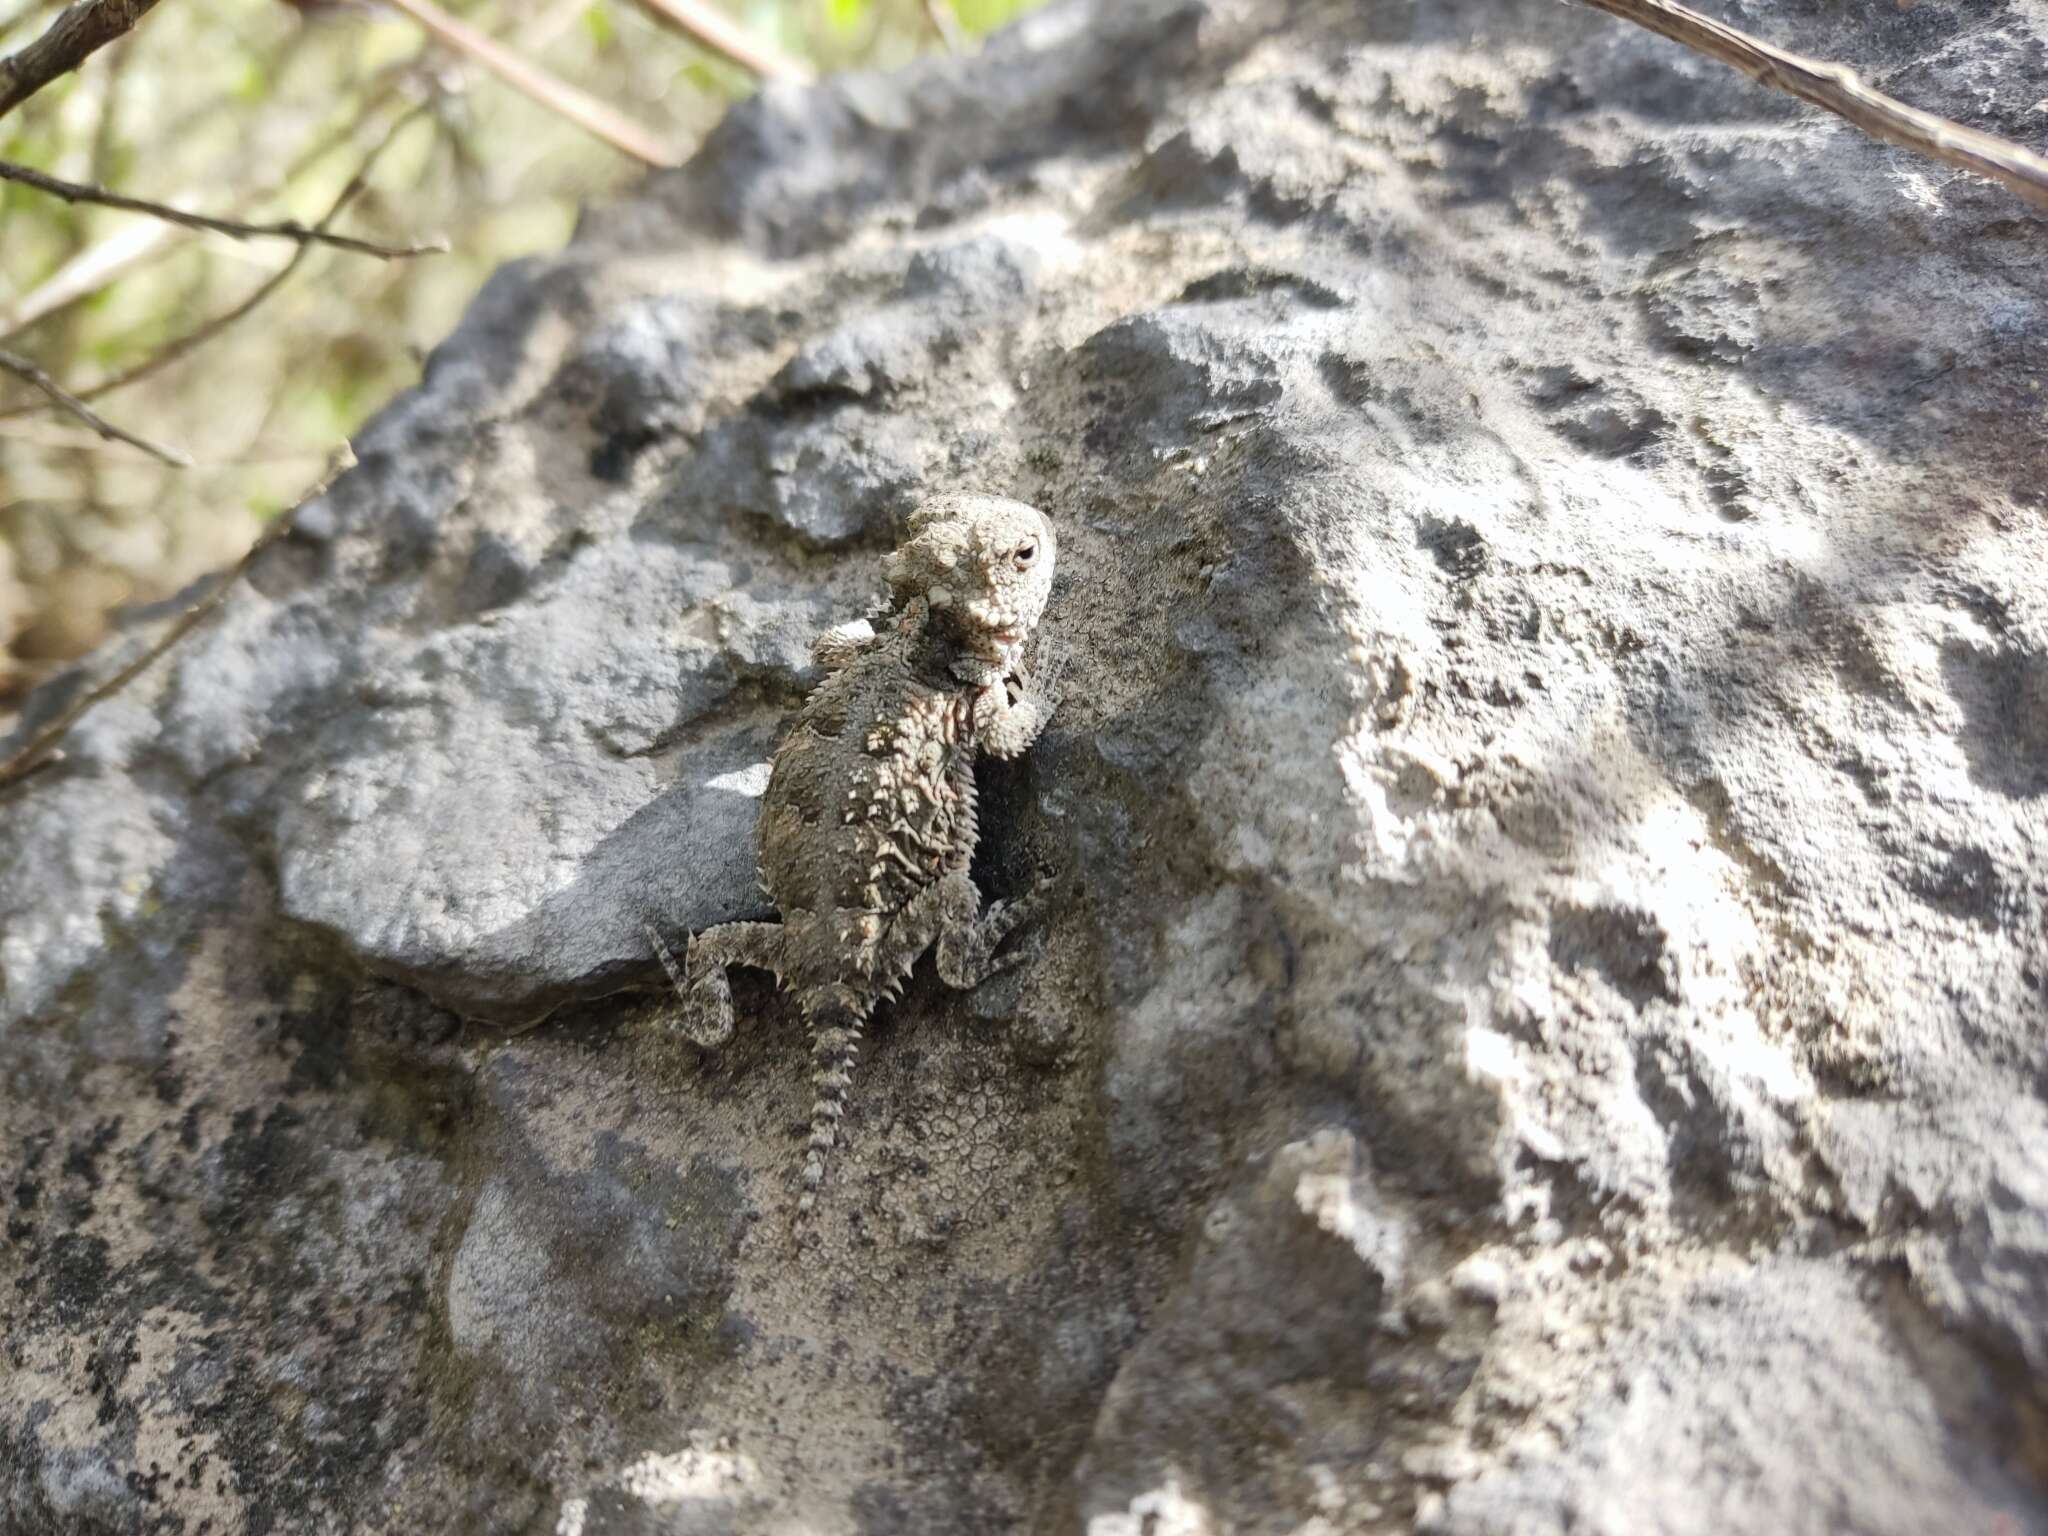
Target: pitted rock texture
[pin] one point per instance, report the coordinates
(1546, 1033)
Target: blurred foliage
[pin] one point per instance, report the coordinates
(262, 110)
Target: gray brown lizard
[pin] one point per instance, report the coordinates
(868, 824)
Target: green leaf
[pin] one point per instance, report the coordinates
(980, 16)
(846, 15)
(250, 84)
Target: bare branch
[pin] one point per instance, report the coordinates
(1836, 88)
(714, 33)
(558, 96)
(77, 33)
(140, 241)
(30, 374)
(86, 273)
(55, 434)
(288, 229)
(940, 14)
(180, 346)
(44, 742)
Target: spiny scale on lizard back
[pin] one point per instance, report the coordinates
(871, 793)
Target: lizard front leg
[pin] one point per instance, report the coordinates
(701, 983)
(1005, 726)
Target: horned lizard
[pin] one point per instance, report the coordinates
(868, 823)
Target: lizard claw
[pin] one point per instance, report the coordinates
(1042, 682)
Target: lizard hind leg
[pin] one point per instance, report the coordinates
(835, 1016)
(705, 1018)
(968, 937)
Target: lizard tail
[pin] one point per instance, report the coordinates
(835, 1018)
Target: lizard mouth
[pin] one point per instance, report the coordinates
(997, 643)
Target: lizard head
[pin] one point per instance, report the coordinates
(984, 564)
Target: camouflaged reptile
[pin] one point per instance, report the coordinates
(868, 824)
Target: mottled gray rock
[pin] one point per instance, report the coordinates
(1549, 1031)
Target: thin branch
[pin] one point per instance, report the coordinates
(547, 25)
(558, 96)
(1836, 88)
(80, 31)
(30, 374)
(715, 34)
(45, 741)
(288, 229)
(51, 434)
(179, 347)
(141, 241)
(940, 14)
(86, 273)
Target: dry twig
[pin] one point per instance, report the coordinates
(940, 14)
(287, 229)
(180, 346)
(54, 434)
(86, 273)
(712, 32)
(31, 375)
(78, 32)
(558, 96)
(1836, 88)
(41, 745)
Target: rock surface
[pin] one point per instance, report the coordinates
(1547, 1032)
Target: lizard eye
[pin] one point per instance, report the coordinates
(1024, 555)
